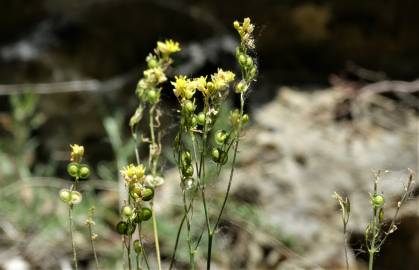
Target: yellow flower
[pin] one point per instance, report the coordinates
(133, 173)
(184, 87)
(201, 84)
(221, 79)
(168, 47)
(77, 152)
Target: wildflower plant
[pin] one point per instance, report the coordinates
(197, 127)
(379, 227)
(141, 180)
(197, 147)
(78, 171)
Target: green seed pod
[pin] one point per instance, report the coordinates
(221, 137)
(215, 155)
(122, 227)
(84, 171)
(377, 200)
(65, 195)
(201, 118)
(147, 193)
(73, 169)
(242, 60)
(245, 119)
(145, 214)
(127, 211)
(131, 228)
(187, 170)
(76, 197)
(219, 156)
(152, 96)
(137, 246)
(186, 157)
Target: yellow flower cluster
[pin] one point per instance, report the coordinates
(77, 152)
(222, 79)
(246, 32)
(133, 173)
(184, 88)
(168, 47)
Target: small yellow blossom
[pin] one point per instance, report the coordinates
(168, 47)
(201, 84)
(184, 87)
(221, 79)
(133, 173)
(77, 152)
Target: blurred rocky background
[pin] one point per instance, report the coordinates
(337, 97)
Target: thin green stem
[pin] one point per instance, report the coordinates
(73, 244)
(210, 237)
(172, 260)
(371, 261)
(156, 235)
(236, 146)
(129, 252)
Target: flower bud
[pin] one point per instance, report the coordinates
(201, 118)
(73, 169)
(152, 96)
(127, 211)
(249, 61)
(236, 25)
(84, 171)
(377, 200)
(221, 137)
(240, 87)
(189, 106)
(152, 63)
(252, 72)
(76, 197)
(194, 120)
(147, 193)
(242, 60)
(137, 246)
(65, 195)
